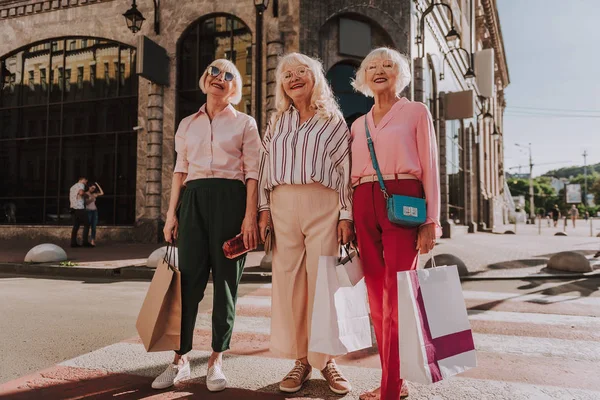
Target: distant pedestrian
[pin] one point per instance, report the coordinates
(555, 215)
(76, 198)
(91, 195)
(586, 216)
(574, 213)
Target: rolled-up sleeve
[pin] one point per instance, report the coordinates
(251, 150)
(341, 160)
(180, 148)
(428, 157)
(264, 172)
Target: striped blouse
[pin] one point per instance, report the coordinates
(318, 151)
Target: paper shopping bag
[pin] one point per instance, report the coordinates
(159, 321)
(340, 318)
(435, 337)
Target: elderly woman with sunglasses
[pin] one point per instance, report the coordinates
(304, 185)
(405, 147)
(217, 161)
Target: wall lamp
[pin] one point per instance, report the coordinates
(452, 37)
(135, 19)
(469, 74)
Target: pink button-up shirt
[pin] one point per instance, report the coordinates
(226, 147)
(404, 142)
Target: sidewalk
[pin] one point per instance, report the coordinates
(109, 260)
(486, 256)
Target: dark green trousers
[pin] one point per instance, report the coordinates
(212, 211)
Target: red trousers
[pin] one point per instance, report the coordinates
(385, 249)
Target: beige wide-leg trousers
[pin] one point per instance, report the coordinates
(305, 221)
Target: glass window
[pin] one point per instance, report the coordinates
(455, 170)
(58, 123)
(221, 36)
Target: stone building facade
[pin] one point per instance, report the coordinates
(72, 104)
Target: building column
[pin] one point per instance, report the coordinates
(444, 184)
(149, 227)
(275, 47)
(469, 206)
(419, 79)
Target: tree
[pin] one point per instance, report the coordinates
(543, 192)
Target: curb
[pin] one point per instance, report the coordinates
(530, 277)
(122, 273)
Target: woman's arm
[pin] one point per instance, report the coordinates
(264, 176)
(100, 189)
(428, 157)
(179, 176)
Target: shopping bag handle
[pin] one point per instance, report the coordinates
(347, 247)
(169, 257)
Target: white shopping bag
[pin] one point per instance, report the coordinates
(435, 337)
(349, 269)
(340, 319)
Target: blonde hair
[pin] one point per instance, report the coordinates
(321, 100)
(401, 67)
(225, 66)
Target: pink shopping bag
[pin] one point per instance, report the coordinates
(435, 337)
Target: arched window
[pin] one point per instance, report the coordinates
(67, 109)
(352, 103)
(210, 38)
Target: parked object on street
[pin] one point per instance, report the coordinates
(158, 255)
(46, 252)
(435, 337)
(340, 319)
(159, 320)
(448, 259)
(570, 261)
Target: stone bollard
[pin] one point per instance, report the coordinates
(569, 261)
(560, 234)
(509, 232)
(47, 252)
(449, 259)
(158, 255)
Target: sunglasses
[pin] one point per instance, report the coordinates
(214, 71)
(300, 71)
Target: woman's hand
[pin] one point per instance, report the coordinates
(264, 221)
(171, 228)
(345, 231)
(250, 232)
(426, 238)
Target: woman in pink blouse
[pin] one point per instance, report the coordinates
(405, 147)
(217, 161)
(305, 187)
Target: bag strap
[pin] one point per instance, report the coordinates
(374, 160)
(170, 255)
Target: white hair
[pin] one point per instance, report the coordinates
(226, 66)
(401, 67)
(322, 100)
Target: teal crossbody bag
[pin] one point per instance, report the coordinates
(402, 210)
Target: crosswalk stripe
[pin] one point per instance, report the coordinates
(537, 298)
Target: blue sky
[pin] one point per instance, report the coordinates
(552, 49)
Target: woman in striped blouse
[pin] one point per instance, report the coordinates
(304, 185)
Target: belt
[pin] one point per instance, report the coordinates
(374, 178)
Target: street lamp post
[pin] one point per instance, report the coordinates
(531, 202)
(261, 6)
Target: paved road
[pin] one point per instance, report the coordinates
(46, 321)
(536, 340)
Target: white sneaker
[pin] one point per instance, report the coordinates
(172, 375)
(215, 379)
